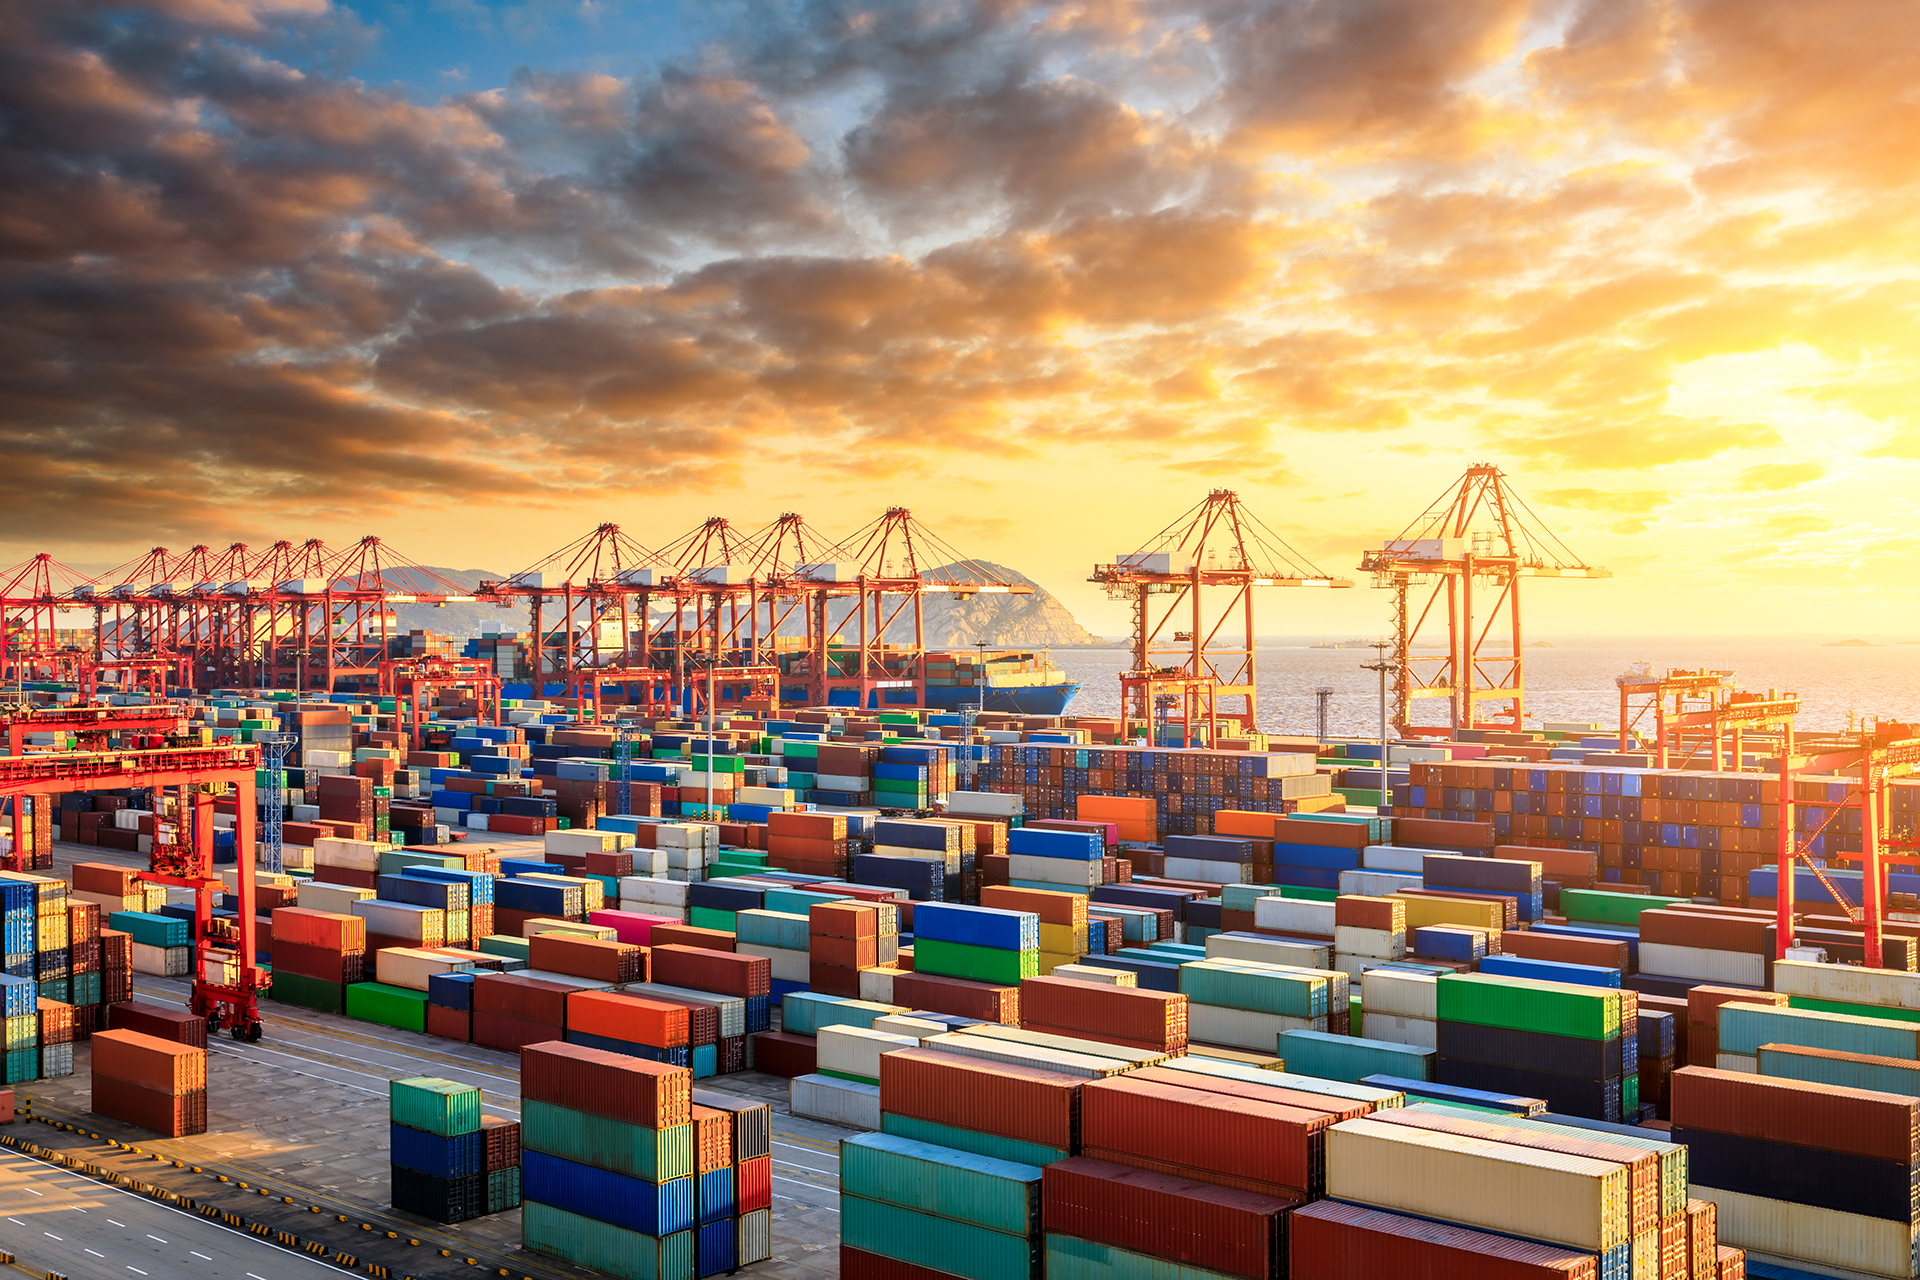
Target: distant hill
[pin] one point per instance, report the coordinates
(1033, 620)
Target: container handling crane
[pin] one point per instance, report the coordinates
(227, 983)
(1718, 713)
(1218, 546)
(1477, 537)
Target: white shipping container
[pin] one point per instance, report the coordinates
(775, 797)
(1379, 944)
(654, 909)
(350, 855)
(396, 920)
(916, 1029)
(1891, 988)
(1294, 915)
(686, 835)
(1420, 1033)
(841, 1102)
(653, 891)
(583, 841)
(696, 781)
(985, 804)
(876, 984)
(163, 962)
(1703, 964)
(1541, 1195)
(1796, 1235)
(1376, 884)
(786, 966)
(410, 968)
(1093, 973)
(690, 874)
(1243, 1028)
(1073, 873)
(1209, 872)
(689, 859)
(1394, 992)
(1387, 857)
(856, 1051)
(1744, 1062)
(842, 782)
(1248, 946)
(337, 898)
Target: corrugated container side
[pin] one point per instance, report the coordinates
(604, 1247)
(1881, 1126)
(649, 1208)
(638, 1151)
(1781, 1230)
(958, 1248)
(1330, 1240)
(996, 1194)
(1265, 1142)
(607, 1084)
(1032, 1105)
(1237, 1233)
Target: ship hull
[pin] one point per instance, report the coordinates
(1020, 700)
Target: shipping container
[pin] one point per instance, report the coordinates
(433, 1105)
(606, 1084)
(996, 1194)
(647, 1208)
(1331, 1240)
(1802, 1234)
(149, 1062)
(637, 1151)
(1198, 1224)
(1035, 1106)
(958, 1248)
(1208, 1133)
(603, 1247)
(1878, 1126)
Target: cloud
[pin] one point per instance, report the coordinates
(1627, 502)
(1771, 477)
(1652, 442)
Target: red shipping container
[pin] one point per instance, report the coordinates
(753, 1184)
(1545, 946)
(509, 1034)
(347, 876)
(1370, 913)
(989, 1097)
(1069, 909)
(1331, 1240)
(1713, 931)
(1879, 1126)
(813, 826)
(833, 979)
(1573, 868)
(721, 972)
(845, 953)
(782, 1053)
(158, 1021)
(1207, 1132)
(1338, 1108)
(1703, 1003)
(319, 929)
(1730, 1264)
(1420, 833)
(687, 935)
(712, 1139)
(703, 1020)
(858, 1264)
(449, 1024)
(165, 1066)
(530, 999)
(106, 877)
(1153, 1019)
(6, 1106)
(502, 1142)
(960, 997)
(1673, 1248)
(650, 1094)
(1328, 835)
(319, 962)
(620, 1016)
(169, 1115)
(593, 958)
(1200, 1224)
(842, 920)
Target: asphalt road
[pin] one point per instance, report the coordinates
(59, 1221)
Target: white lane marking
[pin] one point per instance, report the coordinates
(789, 1164)
(49, 1235)
(137, 1271)
(16, 1221)
(117, 1224)
(30, 1191)
(256, 1277)
(76, 1208)
(95, 1252)
(152, 1236)
(196, 1253)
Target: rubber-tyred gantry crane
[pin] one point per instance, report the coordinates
(1868, 759)
(1191, 592)
(1477, 539)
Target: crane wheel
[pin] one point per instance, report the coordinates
(253, 1033)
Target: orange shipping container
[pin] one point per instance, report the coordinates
(1069, 909)
(587, 957)
(324, 929)
(149, 1062)
(843, 920)
(619, 1016)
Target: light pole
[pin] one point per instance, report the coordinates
(1383, 666)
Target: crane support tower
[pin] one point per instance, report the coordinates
(1478, 539)
(1191, 592)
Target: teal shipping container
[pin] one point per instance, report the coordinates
(1350, 1059)
(602, 1247)
(1011, 1150)
(804, 1012)
(997, 1194)
(1378, 1099)
(651, 1155)
(1745, 1027)
(943, 1244)
(433, 1105)
(1071, 1258)
(781, 929)
(1846, 1070)
(1263, 990)
(152, 930)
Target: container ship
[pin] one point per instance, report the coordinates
(1019, 681)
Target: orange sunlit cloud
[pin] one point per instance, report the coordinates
(1047, 273)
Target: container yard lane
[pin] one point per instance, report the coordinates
(53, 1221)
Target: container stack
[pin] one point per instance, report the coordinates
(317, 955)
(20, 1003)
(749, 1129)
(814, 843)
(844, 938)
(625, 1023)
(156, 1084)
(1803, 1174)
(83, 926)
(500, 1140)
(1368, 931)
(1060, 861)
(56, 1035)
(978, 944)
(1105, 1219)
(17, 917)
(437, 1148)
(1549, 1040)
(1400, 1006)
(607, 1174)
(1247, 1004)
(747, 978)
(512, 1010)
(1153, 1020)
(116, 968)
(909, 1204)
(1064, 930)
(782, 938)
(52, 936)
(162, 945)
(1026, 1115)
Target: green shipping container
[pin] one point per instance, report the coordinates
(1848, 1071)
(727, 867)
(1071, 1258)
(710, 918)
(1012, 1150)
(1557, 1008)
(603, 1247)
(981, 964)
(805, 1012)
(781, 929)
(1347, 1058)
(21, 1065)
(652, 1155)
(1295, 995)
(503, 1190)
(943, 1244)
(499, 944)
(389, 1006)
(433, 1105)
(997, 1194)
(842, 1075)
(151, 930)
(303, 992)
(1597, 906)
(1304, 894)
(1745, 1027)
(798, 901)
(1891, 1013)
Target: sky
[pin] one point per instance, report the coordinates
(477, 277)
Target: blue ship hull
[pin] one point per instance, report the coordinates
(1020, 700)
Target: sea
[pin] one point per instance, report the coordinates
(1573, 681)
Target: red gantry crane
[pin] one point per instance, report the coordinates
(1191, 591)
(1470, 549)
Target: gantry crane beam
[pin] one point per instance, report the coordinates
(1878, 756)
(1476, 538)
(1640, 682)
(1178, 578)
(415, 680)
(1731, 713)
(89, 722)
